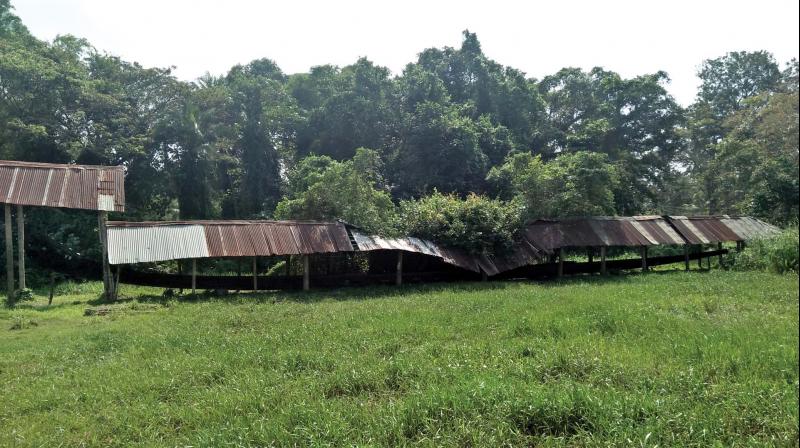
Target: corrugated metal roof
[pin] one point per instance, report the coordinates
(625, 231)
(719, 229)
(523, 254)
(67, 186)
(147, 244)
(138, 242)
(749, 228)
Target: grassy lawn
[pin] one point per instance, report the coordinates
(667, 358)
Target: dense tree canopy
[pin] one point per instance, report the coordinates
(453, 126)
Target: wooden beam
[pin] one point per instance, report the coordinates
(399, 280)
(644, 258)
(115, 288)
(9, 255)
(102, 218)
(700, 258)
(721, 261)
(686, 256)
(194, 276)
(591, 255)
(255, 273)
(603, 260)
(560, 262)
(21, 245)
(306, 274)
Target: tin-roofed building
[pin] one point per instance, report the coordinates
(84, 187)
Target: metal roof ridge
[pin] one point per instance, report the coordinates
(216, 222)
(20, 163)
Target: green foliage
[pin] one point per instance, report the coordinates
(476, 224)
(779, 254)
(324, 189)
(669, 359)
(577, 184)
(23, 295)
(235, 146)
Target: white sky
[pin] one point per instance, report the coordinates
(630, 37)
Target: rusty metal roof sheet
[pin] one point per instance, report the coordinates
(626, 231)
(522, 254)
(718, 229)
(138, 242)
(67, 186)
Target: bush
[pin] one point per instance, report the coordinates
(476, 224)
(779, 253)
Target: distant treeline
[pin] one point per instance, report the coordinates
(457, 146)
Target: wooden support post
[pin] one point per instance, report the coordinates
(484, 276)
(115, 288)
(238, 274)
(288, 265)
(603, 260)
(686, 256)
(399, 279)
(306, 274)
(700, 256)
(21, 245)
(591, 255)
(255, 273)
(9, 255)
(721, 261)
(560, 262)
(180, 273)
(194, 276)
(644, 258)
(102, 218)
(52, 288)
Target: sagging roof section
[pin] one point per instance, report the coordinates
(65, 186)
(140, 242)
(720, 229)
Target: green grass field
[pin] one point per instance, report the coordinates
(666, 358)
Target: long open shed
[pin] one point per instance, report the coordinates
(542, 240)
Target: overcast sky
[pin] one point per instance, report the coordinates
(630, 37)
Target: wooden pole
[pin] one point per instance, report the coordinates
(686, 256)
(194, 276)
(603, 260)
(102, 218)
(644, 258)
(560, 262)
(21, 245)
(288, 265)
(399, 280)
(591, 255)
(9, 255)
(719, 247)
(255, 273)
(700, 257)
(52, 288)
(180, 273)
(238, 273)
(306, 274)
(115, 289)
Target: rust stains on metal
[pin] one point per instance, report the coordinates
(720, 229)
(623, 231)
(522, 254)
(136, 242)
(67, 186)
